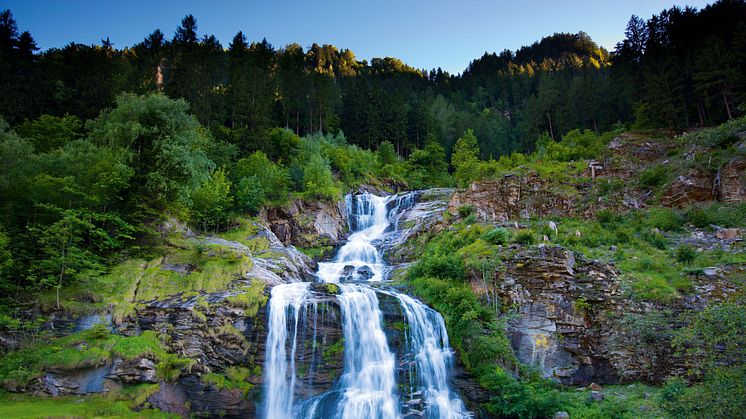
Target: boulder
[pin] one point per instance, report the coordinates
(728, 234)
(596, 396)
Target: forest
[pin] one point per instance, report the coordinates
(99, 144)
(97, 140)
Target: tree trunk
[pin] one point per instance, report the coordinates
(551, 132)
(727, 106)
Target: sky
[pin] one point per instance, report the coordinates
(424, 34)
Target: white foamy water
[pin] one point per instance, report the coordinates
(368, 387)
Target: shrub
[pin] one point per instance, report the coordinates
(273, 178)
(212, 200)
(445, 267)
(654, 176)
(606, 217)
(664, 219)
(609, 186)
(318, 180)
(250, 194)
(655, 239)
(465, 211)
(497, 236)
(525, 237)
(685, 253)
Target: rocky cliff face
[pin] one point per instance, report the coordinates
(575, 321)
(308, 224)
(512, 197)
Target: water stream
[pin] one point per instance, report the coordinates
(368, 386)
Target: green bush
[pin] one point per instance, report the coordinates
(465, 210)
(273, 178)
(606, 217)
(497, 236)
(655, 239)
(444, 267)
(686, 253)
(525, 237)
(664, 219)
(654, 176)
(318, 180)
(250, 194)
(212, 201)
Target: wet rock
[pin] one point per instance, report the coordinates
(180, 268)
(365, 273)
(75, 382)
(561, 415)
(170, 398)
(596, 396)
(594, 387)
(421, 215)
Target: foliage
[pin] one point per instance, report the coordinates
(318, 180)
(715, 337)
(654, 176)
(722, 394)
(525, 237)
(497, 235)
(166, 143)
(251, 298)
(23, 406)
(465, 159)
(250, 194)
(50, 132)
(465, 210)
(85, 349)
(686, 253)
(212, 201)
(272, 178)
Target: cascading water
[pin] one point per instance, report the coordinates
(285, 299)
(368, 387)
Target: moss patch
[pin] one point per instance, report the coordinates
(90, 348)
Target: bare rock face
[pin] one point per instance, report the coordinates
(308, 224)
(511, 198)
(694, 186)
(733, 181)
(576, 322)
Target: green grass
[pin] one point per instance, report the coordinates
(91, 348)
(234, 378)
(318, 252)
(21, 406)
(213, 268)
(250, 297)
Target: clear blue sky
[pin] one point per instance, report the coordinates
(424, 34)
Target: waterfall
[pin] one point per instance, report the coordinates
(279, 367)
(367, 387)
(368, 382)
(434, 357)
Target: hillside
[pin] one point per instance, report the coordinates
(188, 230)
